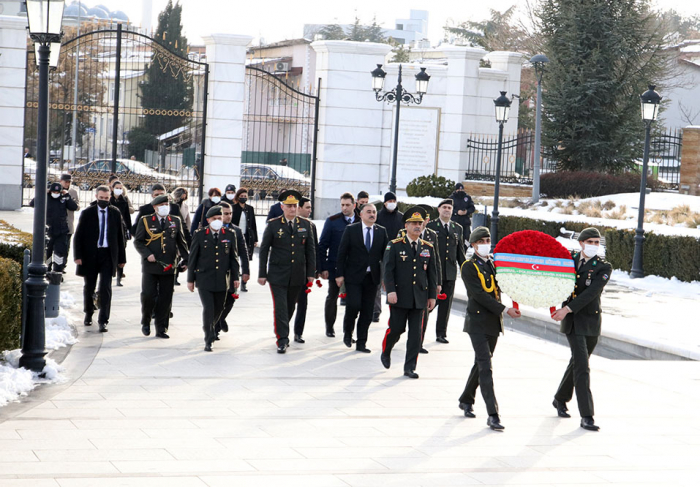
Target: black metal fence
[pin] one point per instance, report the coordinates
(665, 157)
(122, 103)
(280, 124)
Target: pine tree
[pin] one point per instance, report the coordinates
(602, 54)
(333, 32)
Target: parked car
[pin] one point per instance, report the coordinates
(263, 180)
(135, 175)
(52, 174)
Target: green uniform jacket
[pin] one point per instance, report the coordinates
(584, 302)
(166, 248)
(292, 254)
(412, 278)
(484, 309)
(213, 267)
(450, 246)
(429, 236)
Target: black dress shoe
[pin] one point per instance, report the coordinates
(375, 318)
(146, 330)
(347, 340)
(441, 340)
(561, 409)
(119, 283)
(299, 339)
(282, 348)
(216, 338)
(244, 287)
(587, 423)
(176, 283)
(162, 334)
(363, 350)
(468, 409)
(411, 374)
(103, 328)
(207, 347)
(423, 350)
(330, 333)
(494, 422)
(87, 321)
(224, 326)
(386, 360)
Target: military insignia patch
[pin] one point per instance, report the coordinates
(606, 277)
(425, 253)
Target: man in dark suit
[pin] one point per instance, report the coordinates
(304, 211)
(213, 266)
(450, 240)
(288, 242)
(160, 240)
(359, 267)
(483, 322)
(328, 246)
(226, 215)
(157, 190)
(580, 317)
(98, 249)
(410, 278)
(392, 220)
(462, 209)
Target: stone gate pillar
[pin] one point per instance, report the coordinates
(690, 162)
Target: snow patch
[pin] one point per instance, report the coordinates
(658, 285)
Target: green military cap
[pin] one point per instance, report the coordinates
(590, 232)
(478, 233)
(415, 214)
(447, 201)
(158, 200)
(213, 211)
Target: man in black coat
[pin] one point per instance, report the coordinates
(410, 278)
(462, 209)
(483, 322)
(147, 209)
(391, 219)
(58, 204)
(304, 211)
(98, 249)
(581, 317)
(328, 246)
(359, 267)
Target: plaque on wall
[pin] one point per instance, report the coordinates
(418, 143)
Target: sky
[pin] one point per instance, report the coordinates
(275, 20)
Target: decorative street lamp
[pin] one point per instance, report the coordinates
(502, 104)
(651, 102)
(538, 61)
(398, 95)
(45, 18)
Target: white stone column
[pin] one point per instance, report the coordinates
(226, 55)
(350, 122)
(511, 63)
(13, 60)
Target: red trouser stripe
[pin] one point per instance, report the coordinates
(274, 314)
(388, 330)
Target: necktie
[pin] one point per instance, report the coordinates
(162, 223)
(216, 238)
(103, 224)
(291, 227)
(368, 239)
(414, 245)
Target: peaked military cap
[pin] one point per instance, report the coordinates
(158, 200)
(290, 197)
(447, 201)
(414, 214)
(478, 233)
(213, 211)
(590, 232)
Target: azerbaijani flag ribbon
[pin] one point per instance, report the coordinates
(535, 265)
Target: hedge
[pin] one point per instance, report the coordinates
(13, 242)
(10, 304)
(588, 184)
(438, 186)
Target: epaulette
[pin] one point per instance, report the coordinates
(397, 240)
(275, 218)
(426, 242)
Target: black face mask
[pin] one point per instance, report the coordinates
(242, 200)
(102, 203)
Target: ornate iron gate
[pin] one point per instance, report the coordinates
(122, 103)
(280, 124)
(517, 157)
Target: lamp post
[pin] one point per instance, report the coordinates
(651, 101)
(45, 18)
(398, 95)
(538, 61)
(502, 104)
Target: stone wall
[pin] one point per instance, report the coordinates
(690, 162)
(486, 188)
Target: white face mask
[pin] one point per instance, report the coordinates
(230, 196)
(118, 192)
(164, 210)
(483, 249)
(590, 250)
(391, 206)
(216, 225)
(55, 195)
(215, 199)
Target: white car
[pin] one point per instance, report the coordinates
(52, 174)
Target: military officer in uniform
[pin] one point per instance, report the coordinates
(410, 279)
(213, 266)
(288, 244)
(483, 322)
(450, 239)
(304, 211)
(161, 242)
(580, 317)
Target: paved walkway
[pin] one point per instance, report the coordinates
(150, 412)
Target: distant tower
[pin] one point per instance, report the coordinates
(146, 15)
